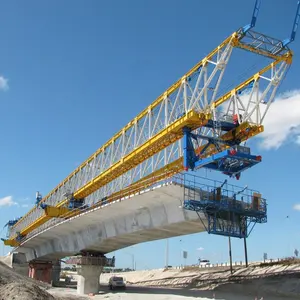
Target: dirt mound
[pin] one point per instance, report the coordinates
(8, 275)
(14, 286)
(23, 291)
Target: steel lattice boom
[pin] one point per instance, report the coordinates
(149, 148)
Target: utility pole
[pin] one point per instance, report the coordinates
(132, 262)
(230, 254)
(246, 252)
(167, 253)
(180, 253)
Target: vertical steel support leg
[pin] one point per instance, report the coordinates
(186, 148)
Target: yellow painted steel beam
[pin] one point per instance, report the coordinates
(40, 221)
(49, 212)
(257, 51)
(242, 132)
(154, 145)
(34, 225)
(55, 212)
(11, 243)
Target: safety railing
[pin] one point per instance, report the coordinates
(229, 196)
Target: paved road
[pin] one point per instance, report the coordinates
(143, 293)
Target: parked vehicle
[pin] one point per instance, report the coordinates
(204, 263)
(116, 282)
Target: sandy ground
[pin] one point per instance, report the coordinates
(247, 283)
(164, 285)
(143, 293)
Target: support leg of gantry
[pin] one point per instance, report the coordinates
(88, 279)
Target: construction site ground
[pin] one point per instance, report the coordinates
(270, 282)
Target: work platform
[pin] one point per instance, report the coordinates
(228, 210)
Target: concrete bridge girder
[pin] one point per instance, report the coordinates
(151, 215)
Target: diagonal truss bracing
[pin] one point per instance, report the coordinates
(150, 144)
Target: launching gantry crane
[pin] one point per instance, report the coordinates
(191, 125)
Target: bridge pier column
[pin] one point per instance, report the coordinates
(40, 270)
(89, 267)
(56, 269)
(19, 263)
(88, 279)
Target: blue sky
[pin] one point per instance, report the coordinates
(74, 72)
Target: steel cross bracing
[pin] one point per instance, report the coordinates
(150, 144)
(262, 44)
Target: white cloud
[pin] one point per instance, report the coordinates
(25, 205)
(200, 249)
(296, 207)
(3, 83)
(282, 122)
(7, 201)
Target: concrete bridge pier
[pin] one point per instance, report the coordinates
(46, 271)
(89, 268)
(56, 269)
(19, 263)
(88, 279)
(41, 270)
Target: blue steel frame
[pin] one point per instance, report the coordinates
(228, 218)
(228, 212)
(72, 204)
(231, 162)
(284, 43)
(9, 224)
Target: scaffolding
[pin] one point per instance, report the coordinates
(223, 209)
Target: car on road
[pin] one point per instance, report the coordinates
(116, 282)
(204, 263)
